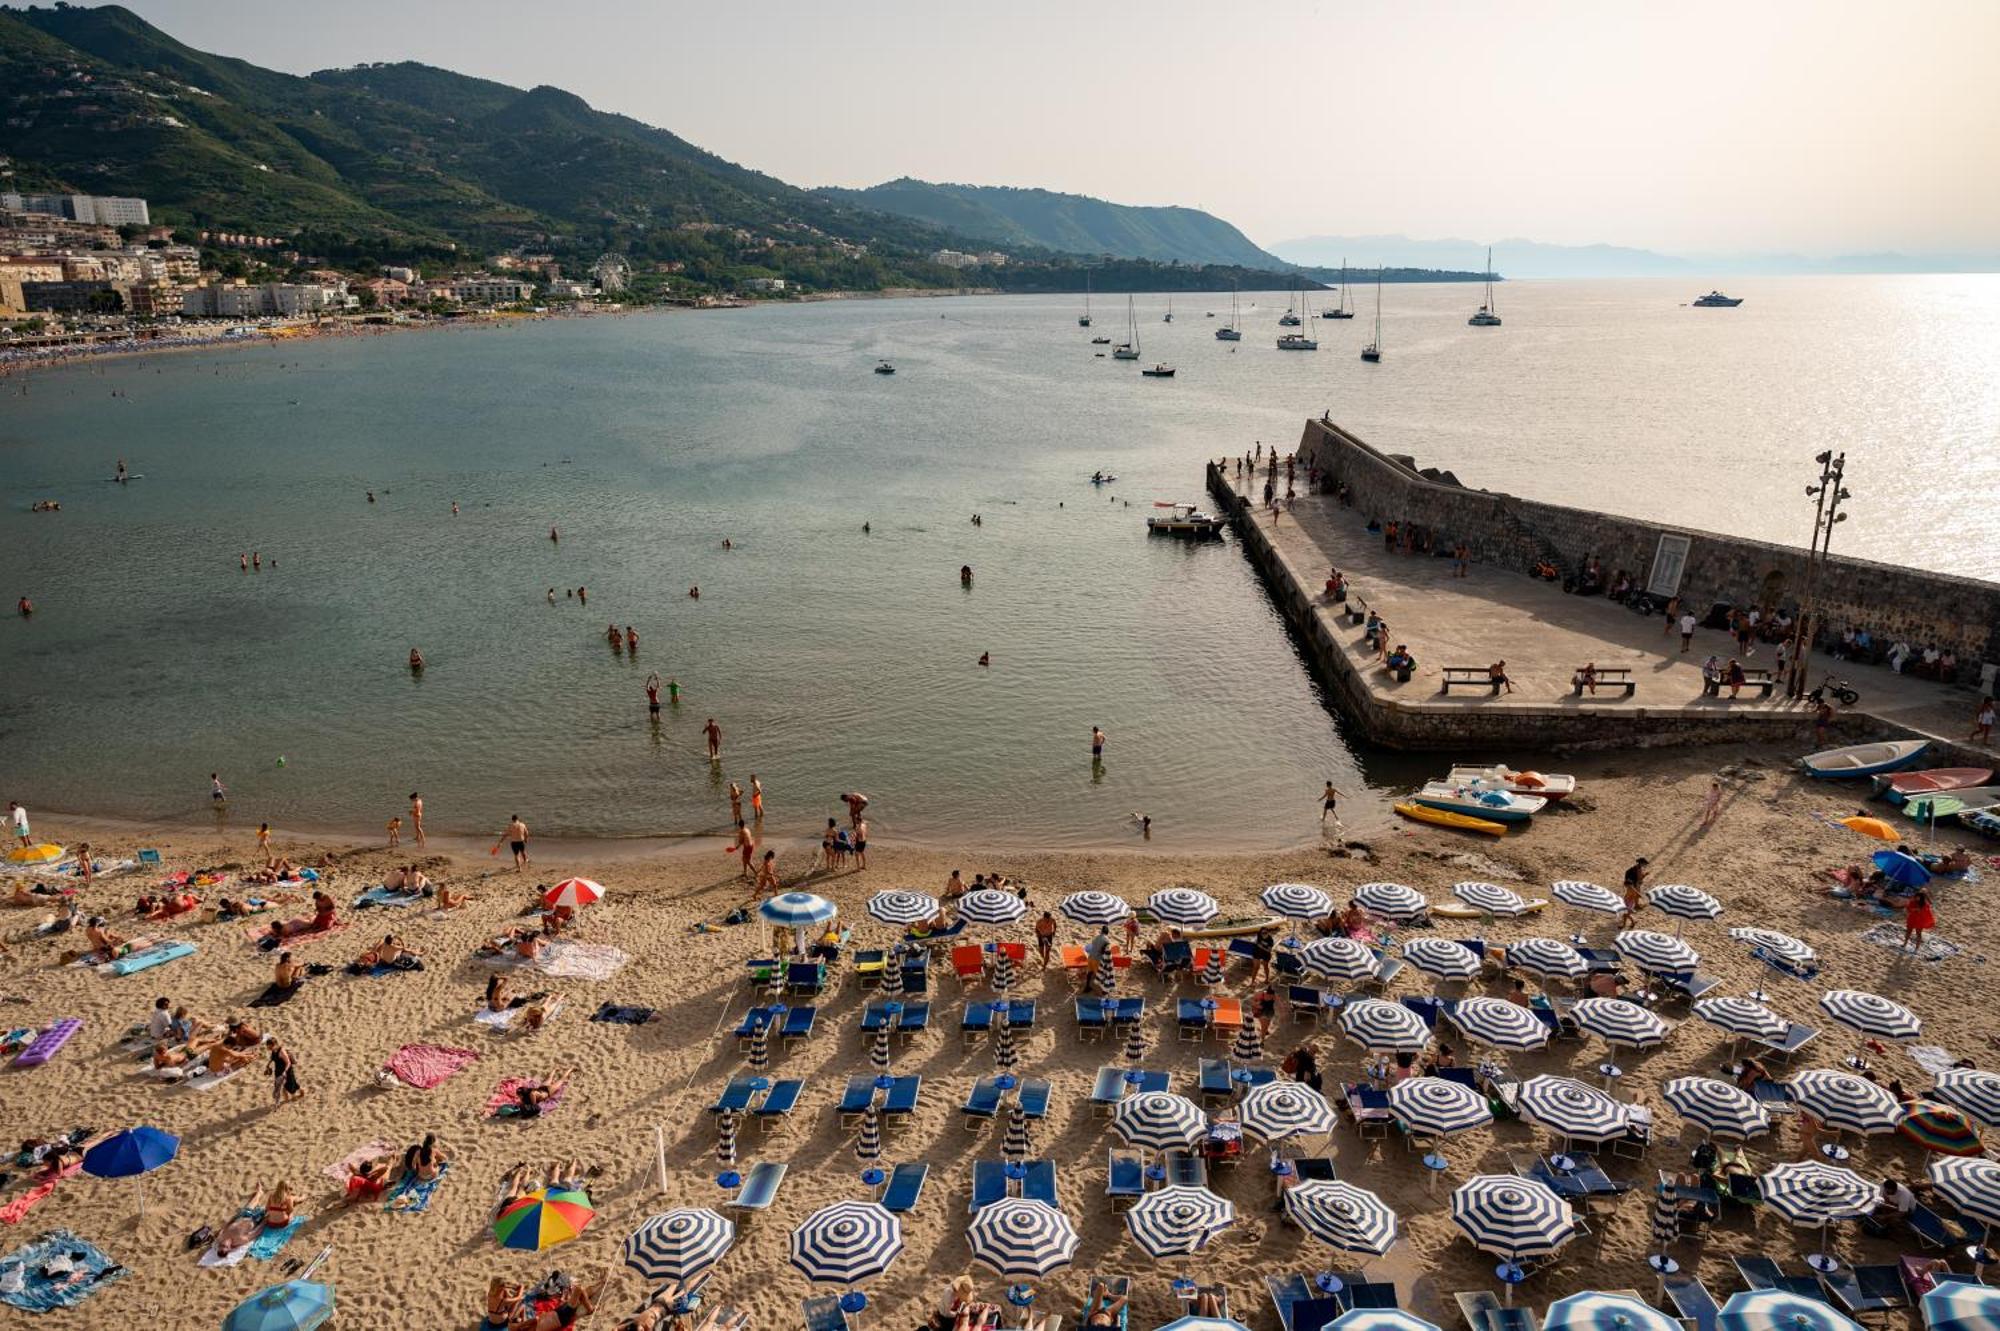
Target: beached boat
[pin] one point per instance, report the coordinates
(1241, 926)
(1549, 785)
(1864, 759)
(1981, 821)
(1901, 786)
(1464, 822)
(1498, 805)
(1951, 803)
(1184, 520)
(1458, 910)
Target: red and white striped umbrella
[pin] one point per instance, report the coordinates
(573, 892)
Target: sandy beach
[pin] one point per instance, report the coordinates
(1762, 860)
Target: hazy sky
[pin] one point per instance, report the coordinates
(1824, 127)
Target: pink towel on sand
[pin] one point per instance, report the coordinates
(12, 1212)
(504, 1095)
(339, 1170)
(426, 1065)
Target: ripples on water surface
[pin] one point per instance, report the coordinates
(834, 659)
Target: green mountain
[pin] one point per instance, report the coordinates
(1070, 223)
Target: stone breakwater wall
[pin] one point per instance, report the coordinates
(1962, 614)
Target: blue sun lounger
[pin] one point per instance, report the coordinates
(916, 1019)
(805, 977)
(1185, 1169)
(1091, 1020)
(1299, 1305)
(917, 973)
(1034, 1097)
(906, 1185)
(1212, 1080)
(823, 1313)
(869, 963)
(976, 1021)
(983, 1101)
(759, 1190)
(755, 1019)
(901, 1101)
(1691, 1299)
(989, 1183)
(1191, 1017)
(1763, 1273)
(735, 1097)
(1124, 1179)
(875, 1017)
(1427, 1008)
(1021, 1014)
(1107, 1091)
(1039, 1185)
(1125, 1013)
(855, 1099)
(798, 1024)
(778, 1102)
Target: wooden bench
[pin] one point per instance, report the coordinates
(1761, 680)
(1469, 677)
(1608, 677)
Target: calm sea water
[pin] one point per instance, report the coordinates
(835, 659)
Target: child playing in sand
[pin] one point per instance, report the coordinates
(396, 831)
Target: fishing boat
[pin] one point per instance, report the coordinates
(1486, 318)
(1084, 322)
(1903, 785)
(1234, 332)
(1549, 785)
(1169, 316)
(1300, 341)
(1372, 353)
(1464, 822)
(1129, 348)
(1498, 806)
(1340, 310)
(1159, 372)
(1950, 803)
(1863, 759)
(885, 368)
(1715, 300)
(1184, 520)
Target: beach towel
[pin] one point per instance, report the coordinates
(382, 896)
(272, 1241)
(48, 1042)
(342, 1169)
(159, 954)
(569, 961)
(500, 1104)
(425, 1066)
(208, 1081)
(1932, 1058)
(499, 1021)
(213, 1258)
(623, 1016)
(382, 968)
(11, 1213)
(1890, 935)
(23, 1285)
(413, 1196)
(260, 934)
(274, 994)
(139, 944)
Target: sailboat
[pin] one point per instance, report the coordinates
(1232, 333)
(1170, 311)
(1372, 353)
(1486, 318)
(1290, 318)
(1084, 322)
(1129, 348)
(1299, 341)
(1340, 311)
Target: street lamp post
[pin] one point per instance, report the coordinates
(1827, 498)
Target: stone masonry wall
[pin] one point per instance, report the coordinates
(1962, 614)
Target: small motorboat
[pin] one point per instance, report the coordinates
(1900, 787)
(1715, 300)
(1864, 759)
(1950, 803)
(1981, 821)
(1464, 822)
(885, 368)
(1498, 806)
(1100, 341)
(1184, 520)
(1159, 372)
(1101, 478)
(1549, 785)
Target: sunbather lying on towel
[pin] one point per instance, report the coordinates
(167, 906)
(529, 1100)
(388, 952)
(450, 900)
(234, 909)
(105, 944)
(40, 896)
(518, 942)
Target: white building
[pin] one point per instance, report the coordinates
(955, 258)
(92, 209)
(285, 300)
(765, 284)
(484, 290)
(569, 288)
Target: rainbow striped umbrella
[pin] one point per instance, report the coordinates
(543, 1219)
(1940, 1129)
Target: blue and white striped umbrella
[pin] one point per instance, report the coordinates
(1845, 1102)
(1389, 1027)
(1717, 1108)
(1571, 1109)
(1491, 898)
(1438, 1107)
(1392, 901)
(1249, 1046)
(678, 1244)
(1743, 1016)
(797, 910)
(1442, 958)
(1159, 1121)
(1378, 1319)
(847, 1243)
(1297, 901)
(1503, 1025)
(1094, 907)
(1971, 1183)
(1594, 1311)
(1973, 1090)
(1107, 970)
(1016, 1145)
(1683, 902)
(725, 1138)
(1651, 950)
(1280, 1109)
(1958, 1306)
(1870, 1014)
(1618, 1022)
(903, 907)
(1018, 1238)
(1343, 1216)
(1547, 957)
(759, 1056)
(1211, 969)
(989, 905)
(1338, 959)
(1781, 1310)
(892, 972)
(1005, 1055)
(1587, 896)
(1192, 1323)
(1003, 971)
(1178, 1221)
(878, 1050)
(1782, 946)
(1807, 1192)
(1182, 906)
(1514, 1218)
(1135, 1044)
(868, 1146)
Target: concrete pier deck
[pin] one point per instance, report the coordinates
(1544, 635)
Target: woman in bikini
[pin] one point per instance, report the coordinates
(528, 1100)
(498, 997)
(503, 1300)
(424, 1161)
(279, 1206)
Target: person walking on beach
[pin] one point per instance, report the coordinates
(1918, 919)
(1672, 616)
(284, 1074)
(1982, 723)
(1687, 632)
(216, 793)
(767, 873)
(713, 734)
(1327, 799)
(1045, 937)
(417, 817)
(1711, 804)
(744, 846)
(1635, 882)
(515, 836)
(17, 819)
(264, 839)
